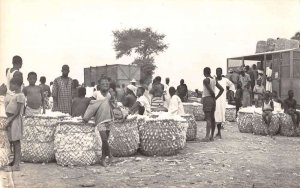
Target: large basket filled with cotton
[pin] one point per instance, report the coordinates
(259, 126)
(286, 125)
(195, 109)
(275, 124)
(261, 46)
(244, 120)
(230, 113)
(283, 44)
(191, 133)
(163, 136)
(124, 137)
(4, 148)
(38, 135)
(77, 143)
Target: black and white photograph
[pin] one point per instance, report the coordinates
(150, 93)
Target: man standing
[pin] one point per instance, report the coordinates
(221, 101)
(182, 91)
(233, 76)
(62, 92)
(209, 103)
(245, 83)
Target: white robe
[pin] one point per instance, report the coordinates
(221, 101)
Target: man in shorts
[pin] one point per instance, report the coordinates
(209, 103)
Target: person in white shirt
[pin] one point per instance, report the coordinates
(175, 105)
(166, 93)
(142, 105)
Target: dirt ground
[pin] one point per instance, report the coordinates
(237, 160)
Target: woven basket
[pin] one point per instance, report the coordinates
(259, 126)
(124, 138)
(286, 125)
(37, 152)
(261, 46)
(297, 131)
(4, 148)
(188, 108)
(245, 122)
(283, 44)
(162, 137)
(38, 137)
(275, 124)
(2, 122)
(230, 114)
(198, 113)
(191, 133)
(271, 44)
(76, 144)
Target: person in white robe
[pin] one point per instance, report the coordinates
(269, 78)
(221, 101)
(175, 105)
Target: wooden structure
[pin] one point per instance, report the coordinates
(122, 74)
(285, 69)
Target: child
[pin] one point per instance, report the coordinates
(290, 108)
(175, 105)
(258, 92)
(238, 98)
(230, 96)
(14, 111)
(80, 103)
(34, 95)
(142, 105)
(267, 108)
(46, 92)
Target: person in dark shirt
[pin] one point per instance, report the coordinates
(182, 91)
(80, 103)
(290, 108)
(238, 97)
(230, 96)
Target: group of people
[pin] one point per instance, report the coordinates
(239, 94)
(103, 102)
(108, 101)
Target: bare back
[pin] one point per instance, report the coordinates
(34, 96)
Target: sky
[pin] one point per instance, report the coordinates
(200, 33)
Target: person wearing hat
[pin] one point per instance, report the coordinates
(133, 82)
(130, 97)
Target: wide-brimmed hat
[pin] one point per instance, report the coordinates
(230, 70)
(133, 81)
(260, 72)
(132, 88)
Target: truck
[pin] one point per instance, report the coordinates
(121, 74)
(285, 69)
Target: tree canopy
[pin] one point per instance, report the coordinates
(145, 43)
(296, 36)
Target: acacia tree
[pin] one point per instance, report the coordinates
(145, 43)
(296, 36)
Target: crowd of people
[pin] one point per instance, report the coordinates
(107, 100)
